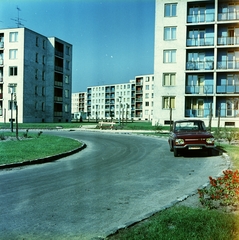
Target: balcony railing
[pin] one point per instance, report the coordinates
(200, 65)
(195, 89)
(192, 42)
(139, 99)
(234, 64)
(228, 113)
(1, 44)
(59, 69)
(58, 99)
(229, 16)
(57, 114)
(209, 17)
(1, 61)
(228, 89)
(228, 41)
(59, 84)
(202, 112)
(59, 54)
(1, 79)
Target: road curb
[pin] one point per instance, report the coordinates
(44, 160)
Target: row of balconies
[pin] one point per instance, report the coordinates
(209, 65)
(205, 112)
(209, 41)
(210, 17)
(208, 89)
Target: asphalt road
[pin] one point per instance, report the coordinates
(117, 180)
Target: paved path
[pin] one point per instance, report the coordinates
(117, 180)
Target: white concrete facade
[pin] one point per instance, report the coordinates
(196, 65)
(39, 70)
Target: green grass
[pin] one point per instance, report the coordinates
(34, 147)
(180, 223)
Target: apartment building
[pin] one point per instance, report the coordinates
(35, 75)
(78, 105)
(197, 61)
(132, 100)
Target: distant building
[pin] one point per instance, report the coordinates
(79, 105)
(35, 75)
(196, 65)
(132, 100)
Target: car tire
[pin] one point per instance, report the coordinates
(175, 152)
(171, 147)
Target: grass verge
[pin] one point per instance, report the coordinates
(34, 147)
(179, 223)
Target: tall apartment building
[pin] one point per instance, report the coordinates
(35, 75)
(132, 100)
(197, 61)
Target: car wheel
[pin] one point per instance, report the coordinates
(175, 152)
(171, 147)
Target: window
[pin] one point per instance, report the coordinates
(170, 33)
(43, 60)
(36, 57)
(66, 93)
(67, 50)
(12, 71)
(13, 36)
(43, 91)
(169, 79)
(146, 104)
(36, 74)
(66, 108)
(170, 10)
(169, 56)
(37, 41)
(147, 95)
(168, 102)
(43, 75)
(13, 54)
(66, 79)
(36, 90)
(67, 65)
(44, 44)
(43, 106)
(146, 87)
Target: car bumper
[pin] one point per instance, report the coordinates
(195, 147)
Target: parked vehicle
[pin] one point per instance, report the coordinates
(190, 135)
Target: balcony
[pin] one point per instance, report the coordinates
(223, 41)
(1, 112)
(233, 64)
(195, 89)
(228, 16)
(200, 65)
(228, 89)
(197, 42)
(58, 84)
(1, 44)
(202, 112)
(57, 114)
(139, 99)
(1, 96)
(228, 112)
(1, 79)
(1, 61)
(58, 99)
(58, 69)
(201, 18)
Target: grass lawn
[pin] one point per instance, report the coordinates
(34, 147)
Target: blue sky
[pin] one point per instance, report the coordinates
(113, 40)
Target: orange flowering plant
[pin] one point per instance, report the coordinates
(222, 191)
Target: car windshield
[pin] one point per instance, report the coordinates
(190, 126)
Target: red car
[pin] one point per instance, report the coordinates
(190, 135)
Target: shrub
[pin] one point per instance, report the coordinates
(223, 191)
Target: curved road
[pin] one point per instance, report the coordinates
(117, 180)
